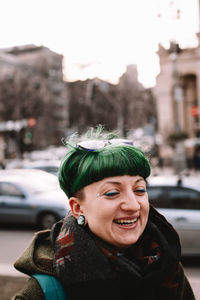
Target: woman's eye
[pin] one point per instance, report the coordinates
(112, 193)
(140, 192)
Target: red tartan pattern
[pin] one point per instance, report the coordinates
(109, 253)
(66, 245)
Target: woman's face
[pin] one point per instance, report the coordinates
(116, 209)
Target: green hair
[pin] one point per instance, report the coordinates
(81, 167)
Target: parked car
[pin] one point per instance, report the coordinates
(178, 199)
(50, 166)
(31, 197)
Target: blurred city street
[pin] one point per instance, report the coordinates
(58, 79)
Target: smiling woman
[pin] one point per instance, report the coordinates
(112, 244)
(116, 209)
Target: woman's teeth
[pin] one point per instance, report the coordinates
(122, 222)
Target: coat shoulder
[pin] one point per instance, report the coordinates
(38, 256)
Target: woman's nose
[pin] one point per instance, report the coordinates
(130, 202)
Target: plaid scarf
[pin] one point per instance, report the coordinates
(82, 257)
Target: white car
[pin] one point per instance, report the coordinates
(178, 199)
(31, 197)
(50, 166)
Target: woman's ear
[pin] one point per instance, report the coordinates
(75, 207)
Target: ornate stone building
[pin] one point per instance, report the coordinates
(177, 91)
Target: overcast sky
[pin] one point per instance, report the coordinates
(98, 38)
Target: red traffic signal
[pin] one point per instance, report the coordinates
(31, 122)
(194, 111)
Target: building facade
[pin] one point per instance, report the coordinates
(32, 93)
(177, 91)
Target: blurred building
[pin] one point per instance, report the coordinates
(92, 102)
(136, 104)
(177, 91)
(38, 108)
(124, 106)
(33, 98)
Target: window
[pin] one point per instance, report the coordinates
(157, 196)
(184, 198)
(8, 189)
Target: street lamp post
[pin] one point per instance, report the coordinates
(177, 90)
(179, 160)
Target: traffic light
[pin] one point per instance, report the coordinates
(31, 122)
(28, 137)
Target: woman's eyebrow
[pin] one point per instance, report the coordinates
(120, 183)
(112, 182)
(140, 179)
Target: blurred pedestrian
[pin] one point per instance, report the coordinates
(197, 158)
(2, 165)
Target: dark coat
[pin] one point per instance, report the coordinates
(38, 258)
